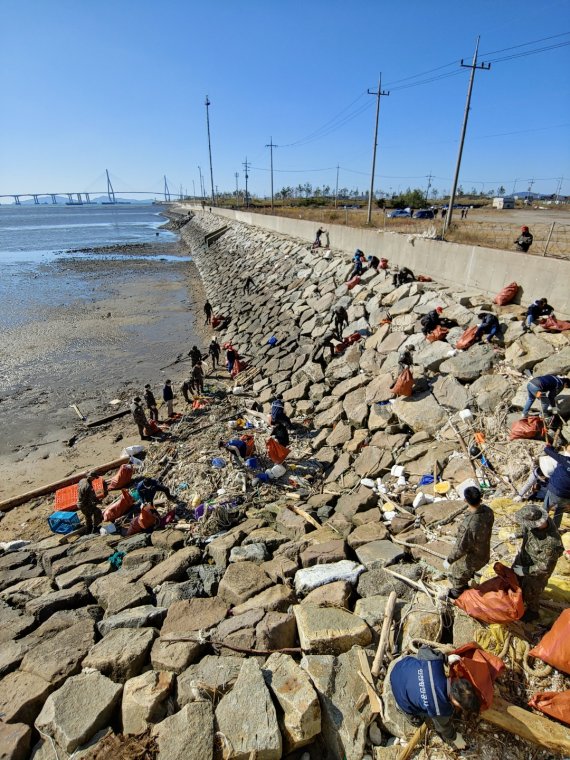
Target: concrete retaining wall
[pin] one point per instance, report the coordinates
(468, 267)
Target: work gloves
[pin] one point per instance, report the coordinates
(518, 569)
(459, 742)
(446, 564)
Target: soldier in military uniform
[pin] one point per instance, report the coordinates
(139, 416)
(87, 502)
(535, 562)
(472, 544)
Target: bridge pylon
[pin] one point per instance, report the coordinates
(110, 191)
(53, 198)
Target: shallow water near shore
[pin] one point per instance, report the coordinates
(86, 321)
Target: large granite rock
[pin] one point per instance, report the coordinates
(489, 390)
(75, 712)
(421, 413)
(468, 365)
(528, 351)
(122, 653)
(247, 718)
(340, 689)
(55, 659)
(241, 581)
(145, 616)
(310, 578)
(22, 696)
(145, 700)
(173, 568)
(14, 741)
(212, 674)
(329, 629)
(300, 715)
(187, 735)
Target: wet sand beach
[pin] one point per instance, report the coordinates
(124, 312)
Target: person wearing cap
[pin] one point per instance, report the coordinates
(320, 349)
(536, 559)
(277, 413)
(198, 378)
(139, 416)
(214, 352)
(418, 687)
(431, 320)
(187, 388)
(358, 264)
(537, 309)
(558, 491)
(472, 549)
(148, 488)
(489, 326)
(373, 262)
(150, 402)
(168, 397)
(524, 240)
(88, 503)
(546, 388)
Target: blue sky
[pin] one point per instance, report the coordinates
(121, 84)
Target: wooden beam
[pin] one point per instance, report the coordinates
(387, 622)
(108, 418)
(15, 501)
(537, 729)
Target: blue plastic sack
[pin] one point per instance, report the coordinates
(252, 463)
(426, 480)
(218, 463)
(272, 341)
(64, 522)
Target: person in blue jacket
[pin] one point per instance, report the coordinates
(148, 488)
(546, 388)
(558, 491)
(423, 692)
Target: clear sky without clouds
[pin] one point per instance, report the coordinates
(90, 84)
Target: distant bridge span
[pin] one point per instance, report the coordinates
(78, 199)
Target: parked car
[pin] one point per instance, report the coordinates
(399, 212)
(424, 213)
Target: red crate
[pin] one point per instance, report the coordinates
(66, 498)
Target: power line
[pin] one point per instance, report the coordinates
(525, 44)
(326, 124)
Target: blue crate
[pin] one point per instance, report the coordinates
(64, 522)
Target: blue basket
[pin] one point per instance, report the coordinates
(64, 522)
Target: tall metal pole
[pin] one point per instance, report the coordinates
(378, 94)
(210, 149)
(336, 188)
(270, 145)
(237, 188)
(246, 167)
(473, 66)
(193, 189)
(428, 187)
(201, 183)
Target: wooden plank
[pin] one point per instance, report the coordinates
(387, 622)
(537, 729)
(418, 736)
(366, 676)
(108, 418)
(15, 501)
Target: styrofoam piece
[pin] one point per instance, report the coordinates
(466, 414)
(469, 483)
(401, 480)
(397, 470)
(419, 500)
(310, 578)
(368, 482)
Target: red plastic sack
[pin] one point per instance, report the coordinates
(249, 441)
(556, 704)
(119, 507)
(467, 339)
(439, 333)
(276, 452)
(147, 519)
(424, 278)
(353, 283)
(383, 264)
(479, 667)
(507, 294)
(341, 347)
(239, 366)
(122, 478)
(551, 324)
(404, 385)
(554, 646)
(217, 321)
(153, 428)
(531, 427)
(498, 600)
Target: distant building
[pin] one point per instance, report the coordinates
(505, 202)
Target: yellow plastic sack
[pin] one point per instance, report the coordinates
(493, 638)
(504, 506)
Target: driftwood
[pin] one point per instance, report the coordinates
(418, 546)
(412, 744)
(15, 501)
(410, 582)
(387, 622)
(534, 728)
(305, 515)
(108, 418)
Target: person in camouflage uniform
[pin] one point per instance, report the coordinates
(472, 544)
(535, 562)
(139, 416)
(87, 502)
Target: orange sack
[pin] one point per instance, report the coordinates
(439, 333)
(498, 600)
(353, 283)
(148, 518)
(531, 427)
(479, 667)
(404, 385)
(119, 507)
(556, 704)
(122, 478)
(551, 324)
(507, 294)
(554, 646)
(467, 339)
(276, 452)
(249, 441)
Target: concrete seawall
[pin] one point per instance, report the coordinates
(467, 267)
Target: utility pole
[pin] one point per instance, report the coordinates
(201, 184)
(236, 175)
(558, 188)
(270, 145)
(531, 183)
(193, 189)
(207, 104)
(378, 94)
(473, 66)
(246, 166)
(336, 187)
(429, 179)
